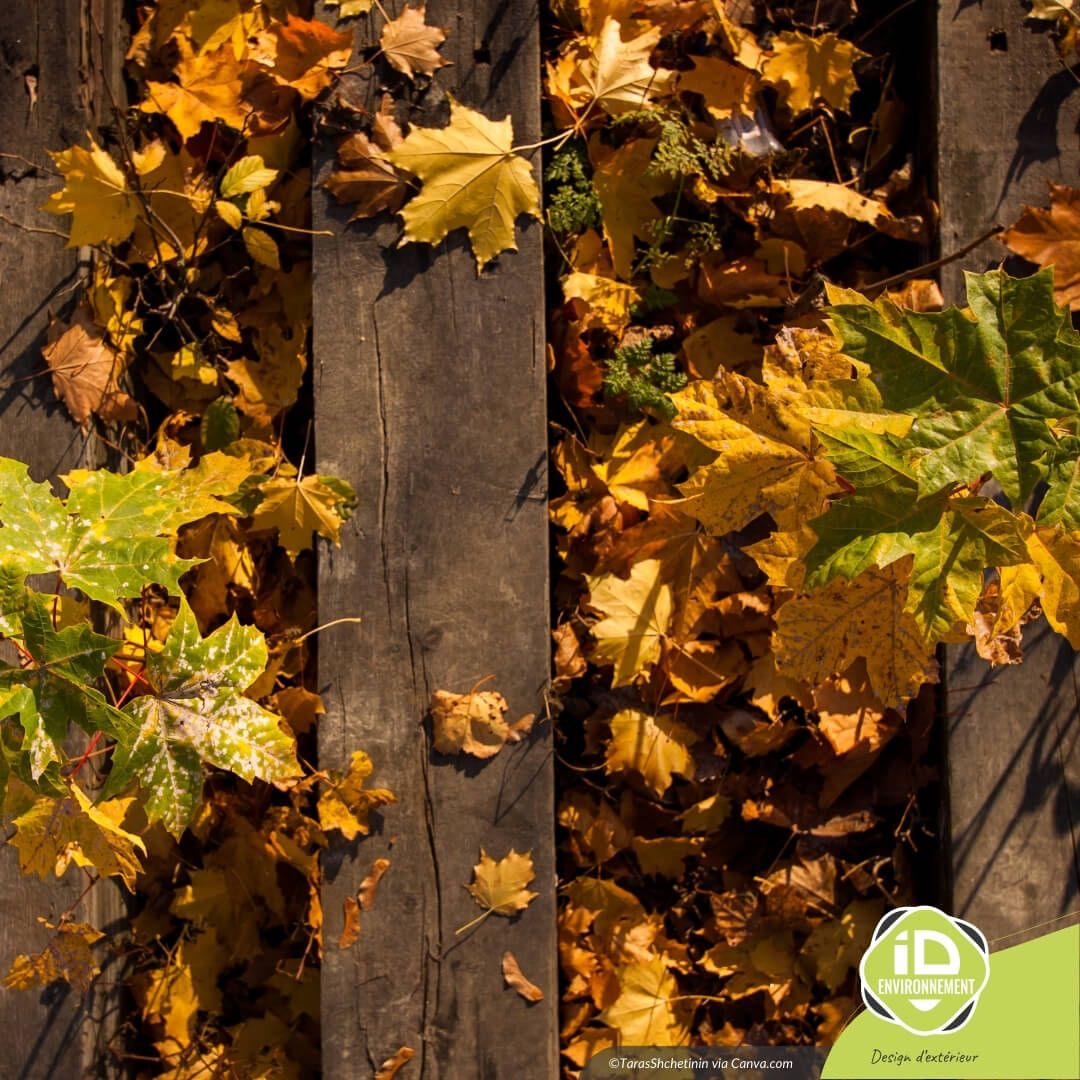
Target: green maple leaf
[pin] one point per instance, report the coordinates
(65, 662)
(1061, 503)
(953, 539)
(981, 385)
(112, 537)
(198, 711)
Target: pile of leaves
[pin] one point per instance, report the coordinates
(783, 487)
(187, 348)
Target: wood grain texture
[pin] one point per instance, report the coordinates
(47, 1034)
(430, 398)
(1007, 122)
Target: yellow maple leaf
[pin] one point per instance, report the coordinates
(1056, 555)
(208, 88)
(103, 206)
(472, 180)
(726, 87)
(297, 508)
(499, 887)
(809, 69)
(825, 632)
(609, 302)
(654, 746)
(637, 613)
(646, 1012)
(346, 803)
(626, 190)
(615, 74)
(55, 832)
(67, 957)
(768, 462)
(409, 44)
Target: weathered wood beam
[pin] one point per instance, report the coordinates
(1007, 122)
(430, 398)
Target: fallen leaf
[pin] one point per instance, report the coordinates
(807, 69)
(644, 1012)
(656, 747)
(1052, 238)
(345, 803)
(409, 44)
(67, 957)
(297, 508)
(517, 981)
(389, 1068)
(85, 372)
(96, 193)
(365, 178)
(366, 892)
(472, 180)
(473, 723)
(351, 930)
(499, 887)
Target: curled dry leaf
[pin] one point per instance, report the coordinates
(366, 893)
(1052, 238)
(365, 178)
(389, 1068)
(67, 957)
(474, 723)
(516, 980)
(351, 930)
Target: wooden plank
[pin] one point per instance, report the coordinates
(429, 385)
(62, 50)
(1007, 122)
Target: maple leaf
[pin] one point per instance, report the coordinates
(64, 663)
(472, 180)
(769, 461)
(55, 832)
(983, 386)
(85, 370)
(208, 89)
(610, 302)
(197, 712)
(616, 74)
(835, 947)
(516, 980)
(67, 957)
(96, 193)
(345, 803)
(823, 633)
(808, 69)
(726, 87)
(1052, 238)
(297, 508)
(637, 613)
(473, 723)
(1056, 555)
(653, 746)
(645, 1013)
(409, 44)
(499, 887)
(626, 191)
(595, 825)
(103, 541)
(365, 178)
(303, 54)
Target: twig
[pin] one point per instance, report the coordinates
(937, 264)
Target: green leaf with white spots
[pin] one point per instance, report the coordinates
(112, 537)
(983, 385)
(198, 712)
(12, 597)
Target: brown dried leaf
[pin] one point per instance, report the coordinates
(366, 892)
(365, 178)
(517, 981)
(351, 931)
(409, 44)
(473, 723)
(389, 1068)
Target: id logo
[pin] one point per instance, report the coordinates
(924, 970)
